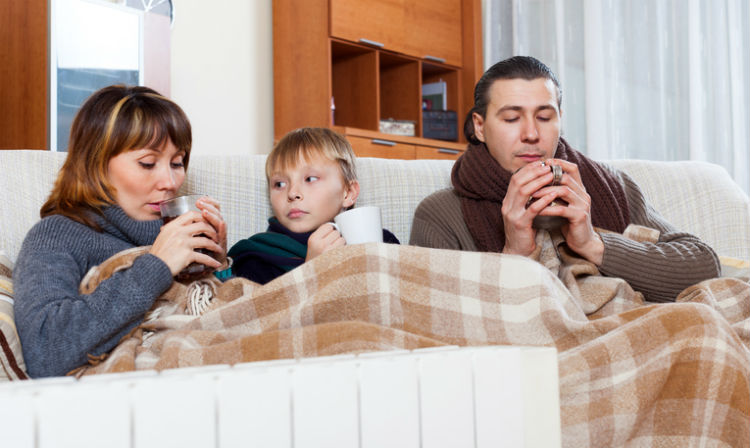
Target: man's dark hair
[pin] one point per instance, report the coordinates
(517, 67)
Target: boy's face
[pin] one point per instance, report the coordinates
(310, 193)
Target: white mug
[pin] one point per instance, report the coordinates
(360, 225)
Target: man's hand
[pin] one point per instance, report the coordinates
(578, 232)
(324, 238)
(517, 219)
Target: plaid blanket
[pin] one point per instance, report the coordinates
(631, 373)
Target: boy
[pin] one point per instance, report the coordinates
(311, 179)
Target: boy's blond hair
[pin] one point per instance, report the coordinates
(309, 142)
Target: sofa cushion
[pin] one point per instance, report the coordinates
(12, 366)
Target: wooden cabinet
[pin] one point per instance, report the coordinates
(353, 63)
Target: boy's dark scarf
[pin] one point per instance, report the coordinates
(267, 255)
(482, 183)
(276, 246)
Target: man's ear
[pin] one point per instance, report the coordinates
(478, 126)
(351, 194)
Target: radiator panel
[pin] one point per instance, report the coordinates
(446, 397)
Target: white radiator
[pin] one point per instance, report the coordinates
(446, 397)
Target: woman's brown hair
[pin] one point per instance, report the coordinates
(113, 120)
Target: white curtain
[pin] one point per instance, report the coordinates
(647, 79)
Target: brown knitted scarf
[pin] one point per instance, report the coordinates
(482, 183)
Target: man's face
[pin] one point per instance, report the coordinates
(522, 124)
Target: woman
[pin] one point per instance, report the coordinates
(129, 149)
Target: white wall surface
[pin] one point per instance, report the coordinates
(222, 73)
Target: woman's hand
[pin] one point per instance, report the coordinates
(176, 243)
(324, 238)
(211, 211)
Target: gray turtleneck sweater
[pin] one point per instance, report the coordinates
(57, 325)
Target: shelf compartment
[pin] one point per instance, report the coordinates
(437, 72)
(400, 88)
(434, 72)
(354, 85)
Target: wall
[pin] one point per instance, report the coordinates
(222, 73)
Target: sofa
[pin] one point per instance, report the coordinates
(697, 197)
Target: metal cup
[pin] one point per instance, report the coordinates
(550, 222)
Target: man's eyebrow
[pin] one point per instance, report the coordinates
(519, 108)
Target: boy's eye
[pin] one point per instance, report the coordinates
(279, 184)
(311, 178)
(543, 118)
(510, 119)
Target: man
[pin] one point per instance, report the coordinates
(505, 180)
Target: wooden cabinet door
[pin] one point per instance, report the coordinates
(370, 21)
(434, 30)
(429, 152)
(385, 149)
(418, 28)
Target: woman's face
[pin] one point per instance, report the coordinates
(142, 178)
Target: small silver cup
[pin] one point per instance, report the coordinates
(550, 222)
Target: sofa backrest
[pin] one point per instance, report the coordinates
(239, 184)
(697, 197)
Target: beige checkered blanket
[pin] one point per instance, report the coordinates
(631, 373)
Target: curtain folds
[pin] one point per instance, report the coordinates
(660, 80)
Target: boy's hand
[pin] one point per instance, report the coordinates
(326, 237)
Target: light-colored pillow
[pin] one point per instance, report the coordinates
(12, 366)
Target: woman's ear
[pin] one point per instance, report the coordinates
(350, 194)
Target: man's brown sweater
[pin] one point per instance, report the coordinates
(659, 270)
